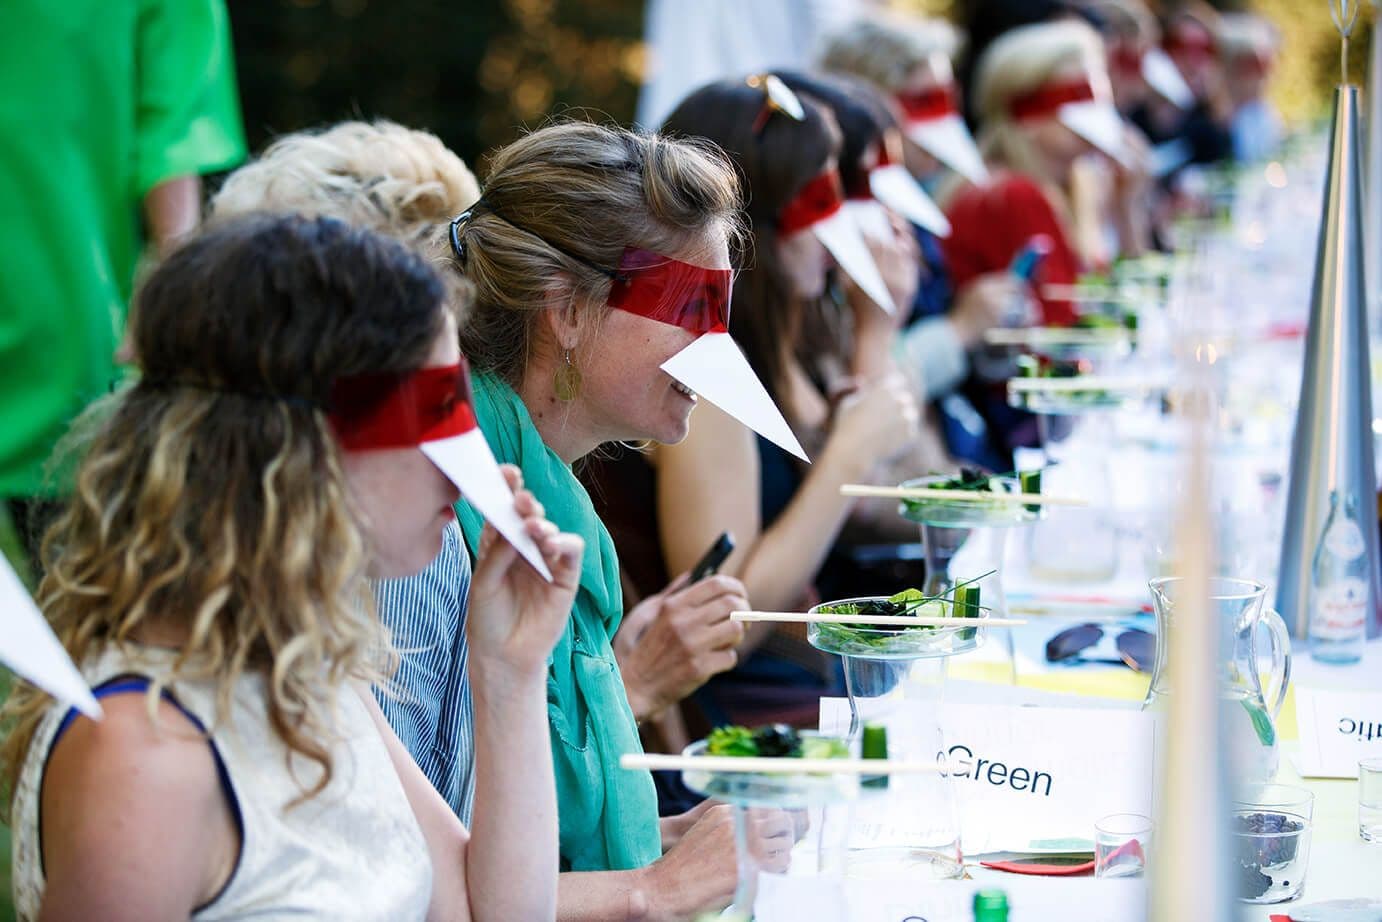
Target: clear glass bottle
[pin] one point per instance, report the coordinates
(1339, 585)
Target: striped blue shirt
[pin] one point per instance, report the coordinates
(429, 708)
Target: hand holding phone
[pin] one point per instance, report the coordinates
(713, 559)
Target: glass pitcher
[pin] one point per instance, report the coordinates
(1251, 722)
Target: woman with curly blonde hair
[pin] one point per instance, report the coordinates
(406, 184)
(210, 578)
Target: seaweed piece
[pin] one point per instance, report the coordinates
(777, 740)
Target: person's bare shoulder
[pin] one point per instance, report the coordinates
(134, 820)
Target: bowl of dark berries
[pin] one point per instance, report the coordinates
(1271, 826)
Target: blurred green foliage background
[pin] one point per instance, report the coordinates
(476, 73)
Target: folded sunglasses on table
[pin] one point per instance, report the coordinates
(1136, 647)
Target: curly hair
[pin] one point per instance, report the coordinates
(379, 175)
(397, 181)
(211, 500)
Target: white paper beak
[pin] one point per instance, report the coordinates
(894, 186)
(1162, 75)
(715, 368)
(29, 647)
(949, 141)
(872, 218)
(467, 461)
(841, 235)
(1098, 123)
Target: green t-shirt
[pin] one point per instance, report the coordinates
(101, 101)
(608, 816)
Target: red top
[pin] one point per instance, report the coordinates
(990, 224)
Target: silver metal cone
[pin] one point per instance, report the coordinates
(1332, 448)
(1372, 179)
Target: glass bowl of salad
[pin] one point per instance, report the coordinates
(900, 641)
(984, 510)
(762, 789)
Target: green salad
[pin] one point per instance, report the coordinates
(1030, 366)
(962, 602)
(773, 741)
(974, 480)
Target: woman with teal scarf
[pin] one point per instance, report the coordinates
(589, 254)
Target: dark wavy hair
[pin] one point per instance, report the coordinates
(775, 162)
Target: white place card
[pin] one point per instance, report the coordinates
(1337, 728)
(1034, 779)
(793, 899)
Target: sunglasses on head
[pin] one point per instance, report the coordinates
(1136, 647)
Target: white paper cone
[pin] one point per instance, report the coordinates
(467, 461)
(1165, 79)
(871, 217)
(29, 647)
(715, 368)
(894, 186)
(949, 141)
(1098, 123)
(842, 237)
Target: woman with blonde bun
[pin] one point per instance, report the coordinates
(597, 255)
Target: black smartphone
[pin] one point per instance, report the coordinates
(710, 563)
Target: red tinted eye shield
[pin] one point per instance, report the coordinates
(373, 412)
(669, 291)
(1046, 100)
(818, 199)
(932, 104)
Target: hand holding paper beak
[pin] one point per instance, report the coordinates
(875, 422)
(516, 615)
(898, 257)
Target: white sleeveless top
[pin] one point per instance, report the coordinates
(354, 851)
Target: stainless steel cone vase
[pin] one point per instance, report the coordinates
(1372, 179)
(1332, 447)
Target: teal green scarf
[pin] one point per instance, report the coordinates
(608, 816)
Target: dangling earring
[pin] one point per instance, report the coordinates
(567, 379)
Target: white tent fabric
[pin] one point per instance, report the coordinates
(694, 42)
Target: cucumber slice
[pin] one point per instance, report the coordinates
(1030, 482)
(966, 606)
(874, 745)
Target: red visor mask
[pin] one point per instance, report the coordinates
(929, 105)
(1253, 64)
(1126, 59)
(818, 199)
(374, 412)
(1044, 101)
(669, 291)
(1190, 42)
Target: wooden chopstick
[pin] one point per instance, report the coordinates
(975, 496)
(759, 765)
(1085, 383)
(1046, 336)
(1090, 293)
(801, 617)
